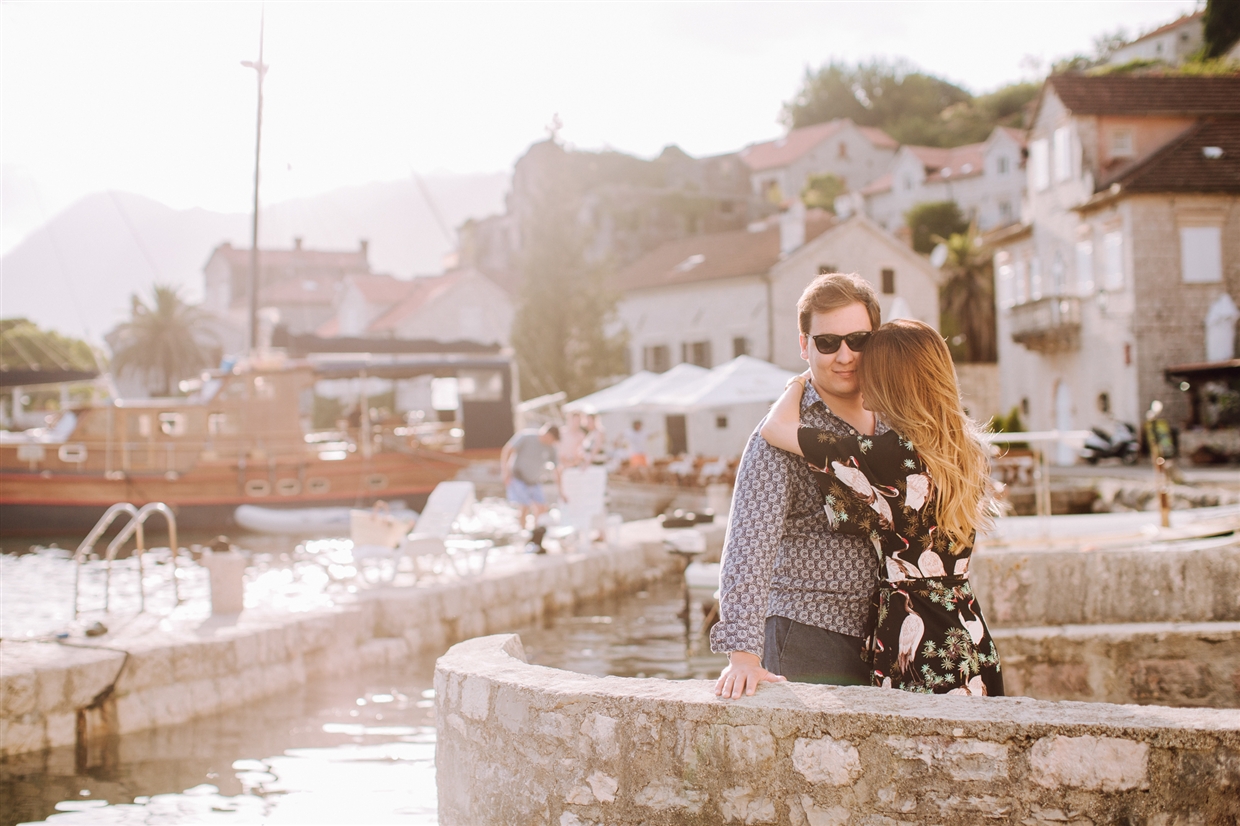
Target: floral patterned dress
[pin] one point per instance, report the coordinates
(930, 635)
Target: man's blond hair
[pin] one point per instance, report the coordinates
(834, 290)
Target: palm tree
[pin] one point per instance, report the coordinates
(167, 340)
(968, 298)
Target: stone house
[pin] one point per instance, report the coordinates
(779, 169)
(1131, 233)
(707, 299)
(1171, 44)
(301, 286)
(462, 305)
(626, 206)
(985, 179)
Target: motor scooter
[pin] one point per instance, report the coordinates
(1121, 443)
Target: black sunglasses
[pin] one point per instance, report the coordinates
(828, 343)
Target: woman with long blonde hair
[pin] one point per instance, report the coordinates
(920, 492)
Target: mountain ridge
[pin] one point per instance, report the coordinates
(76, 273)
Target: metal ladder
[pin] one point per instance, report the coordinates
(135, 525)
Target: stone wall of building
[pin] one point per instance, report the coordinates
(523, 744)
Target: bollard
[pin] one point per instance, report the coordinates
(227, 570)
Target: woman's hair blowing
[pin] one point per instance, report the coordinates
(907, 377)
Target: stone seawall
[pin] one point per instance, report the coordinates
(159, 671)
(1071, 587)
(522, 744)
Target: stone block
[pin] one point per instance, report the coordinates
(813, 815)
(749, 745)
(668, 793)
(962, 759)
(53, 695)
(742, 804)
(601, 733)
(149, 667)
(603, 787)
(475, 698)
(826, 761)
(60, 729)
(1097, 763)
(17, 736)
(1169, 681)
(20, 693)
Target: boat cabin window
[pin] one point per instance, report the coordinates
(216, 423)
(445, 393)
(172, 424)
(480, 385)
(143, 425)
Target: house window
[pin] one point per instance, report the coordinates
(1002, 165)
(1113, 260)
(721, 422)
(1039, 166)
(1104, 402)
(826, 269)
(1057, 275)
(889, 282)
(1035, 279)
(1084, 267)
(657, 358)
(908, 183)
(1063, 154)
(696, 352)
(1201, 255)
(843, 150)
(1020, 293)
(1005, 212)
(740, 346)
(1122, 145)
(1007, 278)
(172, 424)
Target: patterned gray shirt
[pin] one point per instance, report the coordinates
(780, 557)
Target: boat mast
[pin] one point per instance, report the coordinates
(260, 69)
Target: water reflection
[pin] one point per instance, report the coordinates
(642, 635)
(359, 749)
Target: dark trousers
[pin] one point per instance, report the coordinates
(806, 654)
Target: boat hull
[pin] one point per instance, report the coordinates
(205, 499)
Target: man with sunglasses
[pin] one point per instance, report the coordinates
(795, 596)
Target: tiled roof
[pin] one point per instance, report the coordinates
(1147, 95)
(1185, 164)
(381, 289)
(354, 261)
(878, 137)
(956, 162)
(310, 289)
(880, 184)
(785, 150)
(715, 255)
(421, 292)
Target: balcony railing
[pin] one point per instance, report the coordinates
(1048, 325)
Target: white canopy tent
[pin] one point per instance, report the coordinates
(622, 404)
(690, 409)
(715, 415)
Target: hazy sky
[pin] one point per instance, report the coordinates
(151, 98)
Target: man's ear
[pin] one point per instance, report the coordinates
(804, 339)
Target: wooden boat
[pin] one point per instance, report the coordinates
(239, 439)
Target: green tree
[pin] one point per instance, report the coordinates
(820, 191)
(932, 221)
(1221, 27)
(967, 298)
(165, 341)
(564, 308)
(912, 107)
(23, 346)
